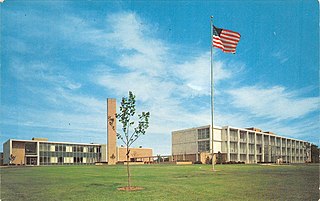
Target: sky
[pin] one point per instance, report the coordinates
(61, 60)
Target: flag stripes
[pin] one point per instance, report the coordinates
(225, 40)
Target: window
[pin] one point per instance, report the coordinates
(233, 135)
(68, 148)
(52, 148)
(31, 148)
(79, 149)
(68, 160)
(42, 147)
(53, 159)
(203, 133)
(204, 146)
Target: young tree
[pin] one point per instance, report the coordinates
(126, 117)
(11, 158)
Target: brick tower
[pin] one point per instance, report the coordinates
(111, 131)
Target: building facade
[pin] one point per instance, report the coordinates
(250, 145)
(40, 151)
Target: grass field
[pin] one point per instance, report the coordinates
(162, 182)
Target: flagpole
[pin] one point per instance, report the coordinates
(212, 93)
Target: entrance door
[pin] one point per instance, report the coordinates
(31, 160)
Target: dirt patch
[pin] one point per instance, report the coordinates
(132, 188)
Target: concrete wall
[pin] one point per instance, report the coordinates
(104, 153)
(217, 140)
(185, 141)
(6, 152)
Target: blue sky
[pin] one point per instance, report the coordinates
(60, 60)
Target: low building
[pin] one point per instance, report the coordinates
(40, 151)
(135, 154)
(250, 145)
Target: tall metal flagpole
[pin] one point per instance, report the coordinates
(212, 94)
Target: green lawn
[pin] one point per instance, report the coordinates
(162, 182)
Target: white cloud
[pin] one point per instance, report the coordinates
(42, 71)
(274, 102)
(160, 83)
(132, 33)
(166, 84)
(195, 74)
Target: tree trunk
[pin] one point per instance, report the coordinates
(128, 169)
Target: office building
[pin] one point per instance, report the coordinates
(231, 144)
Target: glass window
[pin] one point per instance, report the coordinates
(60, 160)
(204, 146)
(53, 159)
(31, 148)
(52, 148)
(203, 133)
(42, 147)
(68, 148)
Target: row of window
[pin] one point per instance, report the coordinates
(67, 160)
(234, 157)
(68, 154)
(68, 148)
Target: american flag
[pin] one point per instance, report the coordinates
(224, 39)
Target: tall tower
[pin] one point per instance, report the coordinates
(111, 131)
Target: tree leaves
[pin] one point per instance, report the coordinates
(127, 111)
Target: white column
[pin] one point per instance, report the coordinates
(247, 148)
(295, 151)
(290, 151)
(269, 149)
(298, 144)
(38, 153)
(293, 155)
(303, 154)
(262, 148)
(228, 144)
(275, 148)
(281, 147)
(238, 154)
(286, 150)
(255, 147)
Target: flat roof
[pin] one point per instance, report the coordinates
(244, 129)
(75, 143)
(265, 133)
(200, 127)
